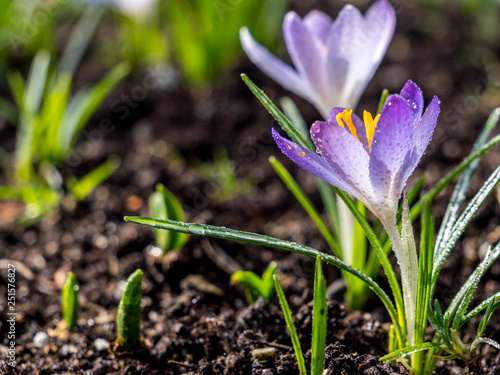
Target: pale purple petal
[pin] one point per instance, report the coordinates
(345, 155)
(362, 42)
(311, 162)
(392, 156)
(414, 98)
(306, 52)
(380, 24)
(279, 71)
(358, 124)
(318, 23)
(425, 128)
(344, 28)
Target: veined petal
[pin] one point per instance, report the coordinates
(343, 30)
(363, 43)
(345, 155)
(392, 156)
(279, 71)
(358, 124)
(413, 96)
(318, 23)
(340, 51)
(425, 128)
(306, 52)
(311, 162)
(380, 24)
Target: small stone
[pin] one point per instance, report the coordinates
(101, 345)
(264, 353)
(40, 339)
(67, 350)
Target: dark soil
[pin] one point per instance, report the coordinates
(193, 319)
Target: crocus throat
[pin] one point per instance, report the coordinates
(344, 119)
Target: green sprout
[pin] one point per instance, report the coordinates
(254, 286)
(319, 322)
(164, 205)
(128, 316)
(49, 120)
(223, 175)
(69, 298)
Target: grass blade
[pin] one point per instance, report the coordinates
(81, 108)
(306, 204)
(405, 352)
(462, 300)
(495, 298)
(292, 112)
(463, 183)
(291, 326)
(319, 321)
(263, 240)
(36, 82)
(294, 133)
(86, 185)
(462, 223)
(82, 34)
(382, 256)
(424, 284)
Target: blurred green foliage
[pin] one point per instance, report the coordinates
(205, 34)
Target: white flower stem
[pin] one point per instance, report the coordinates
(406, 256)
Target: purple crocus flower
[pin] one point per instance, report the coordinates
(371, 159)
(334, 59)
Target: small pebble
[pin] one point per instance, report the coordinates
(40, 339)
(67, 350)
(101, 345)
(264, 353)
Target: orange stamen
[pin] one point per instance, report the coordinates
(346, 117)
(370, 124)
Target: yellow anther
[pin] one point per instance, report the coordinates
(346, 117)
(370, 124)
(303, 154)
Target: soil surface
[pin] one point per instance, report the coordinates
(193, 319)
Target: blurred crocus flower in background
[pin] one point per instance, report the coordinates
(135, 7)
(334, 59)
(371, 159)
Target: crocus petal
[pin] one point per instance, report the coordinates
(358, 124)
(380, 24)
(279, 71)
(306, 52)
(310, 161)
(414, 98)
(362, 42)
(345, 155)
(318, 23)
(425, 128)
(392, 155)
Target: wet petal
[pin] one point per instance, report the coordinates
(306, 52)
(425, 128)
(414, 98)
(318, 23)
(279, 71)
(311, 162)
(392, 156)
(345, 155)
